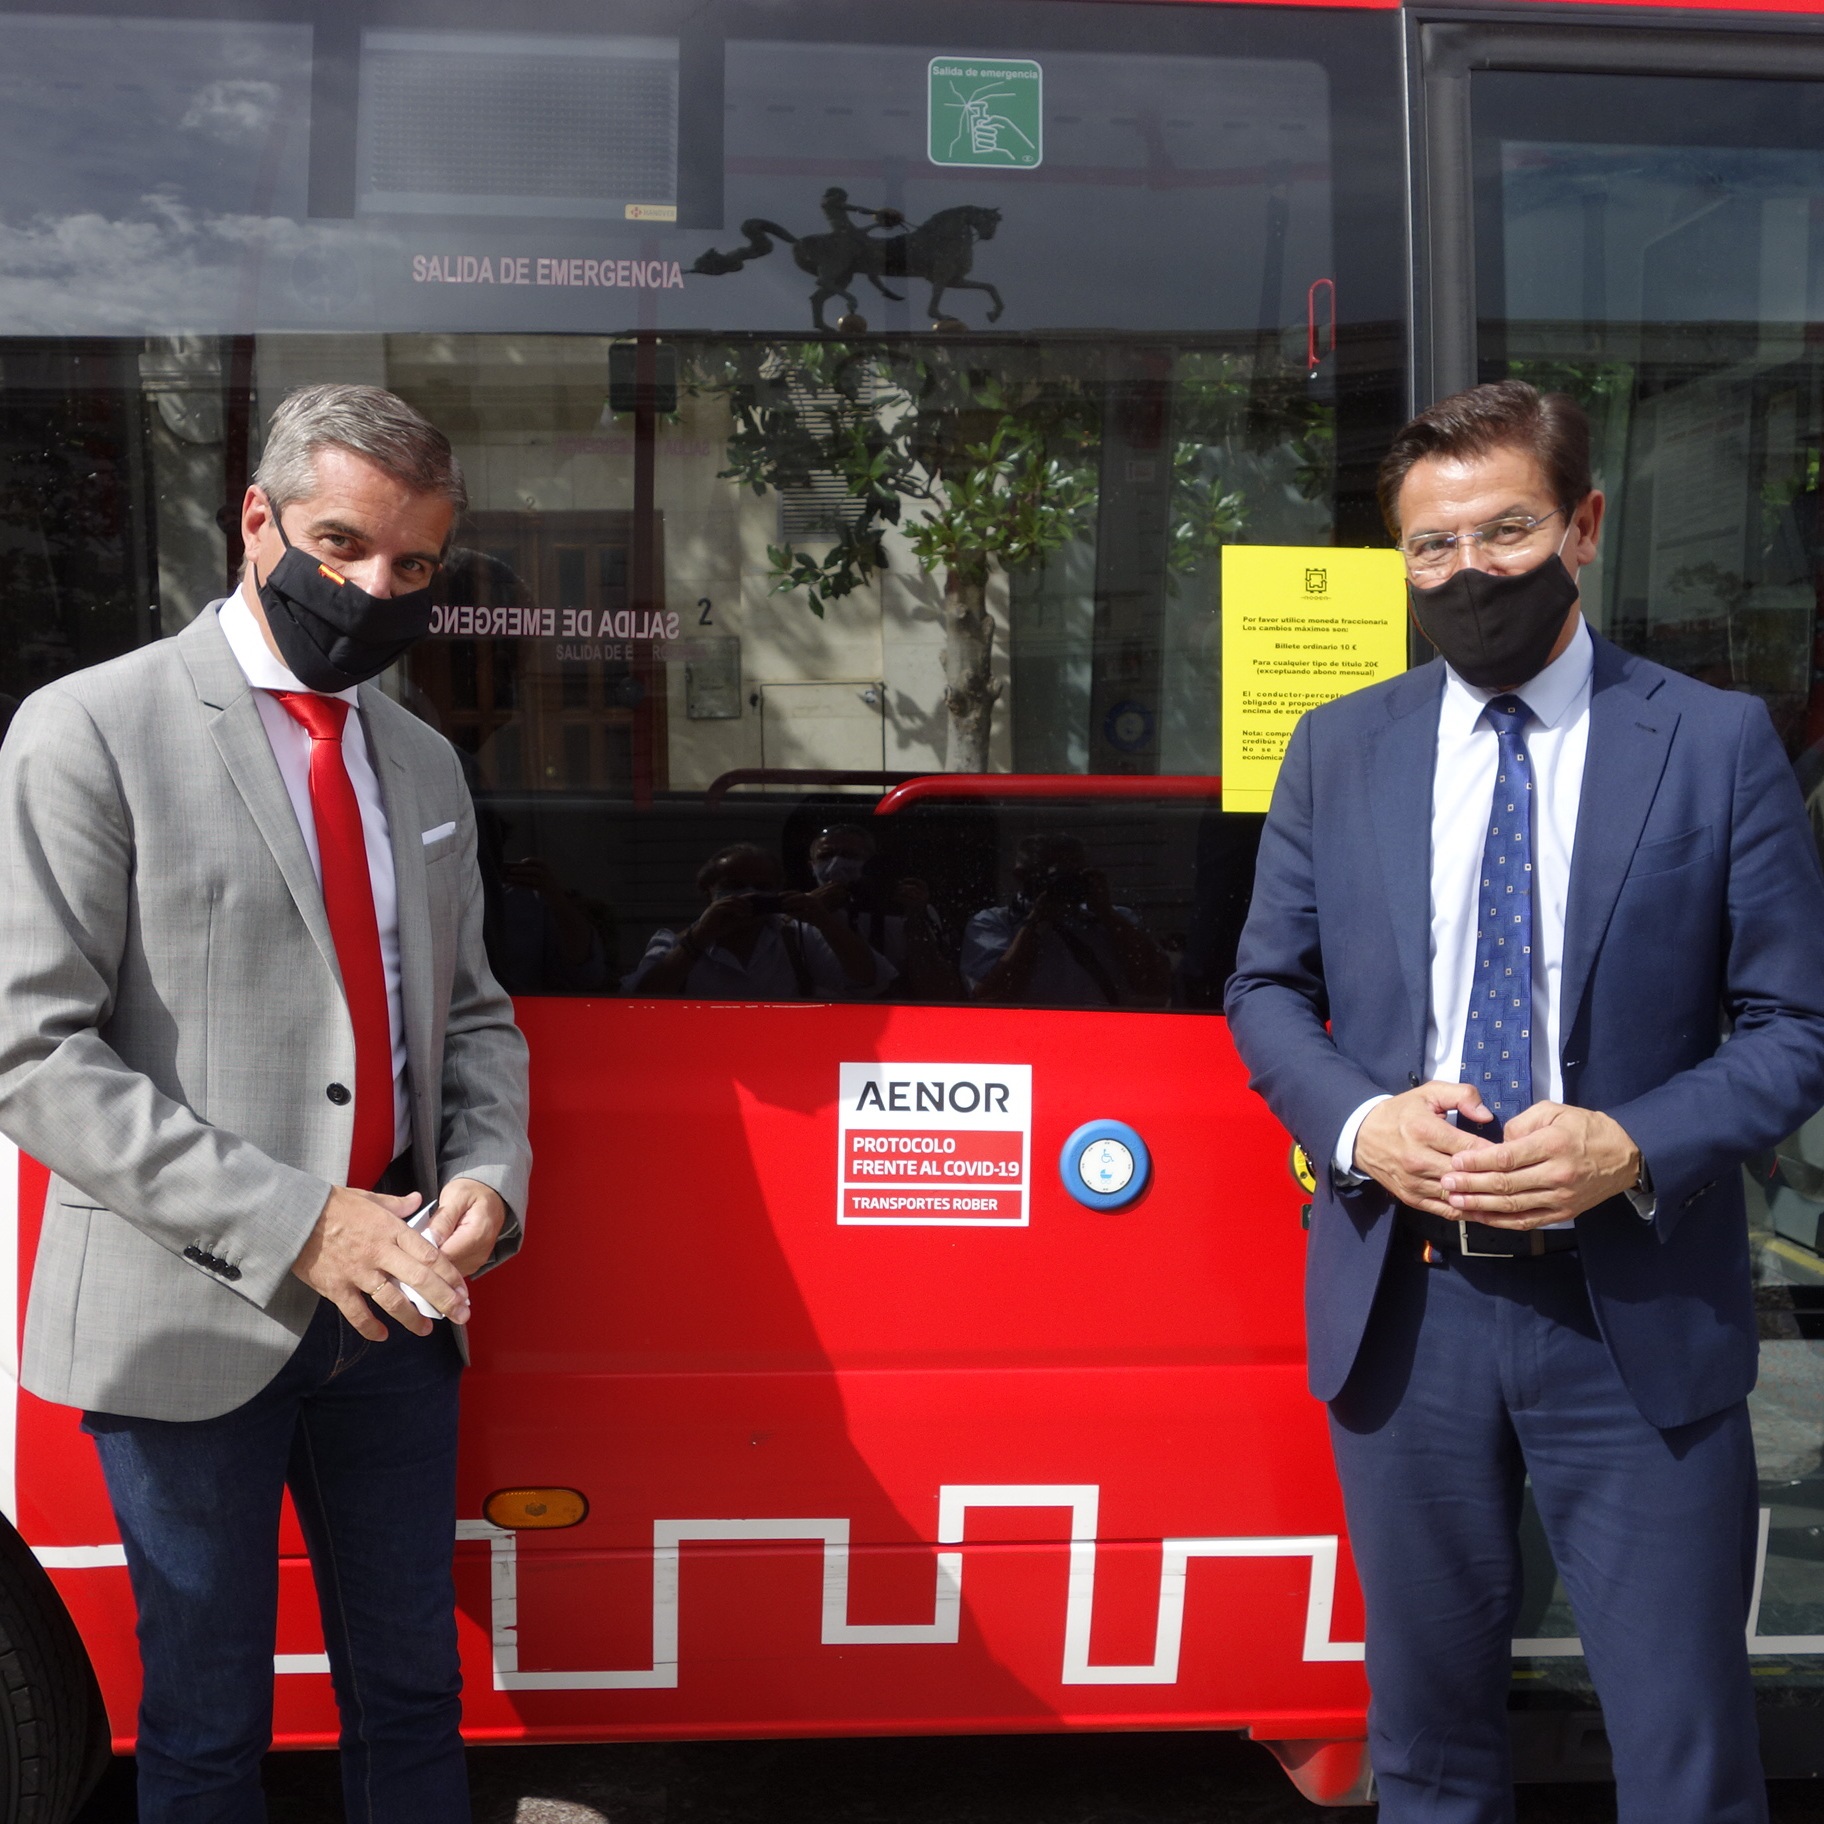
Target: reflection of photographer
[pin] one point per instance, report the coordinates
(755, 943)
(548, 941)
(892, 914)
(1061, 941)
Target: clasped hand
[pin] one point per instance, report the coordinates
(1553, 1162)
(361, 1249)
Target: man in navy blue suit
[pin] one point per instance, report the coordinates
(1535, 959)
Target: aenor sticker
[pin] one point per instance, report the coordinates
(934, 1145)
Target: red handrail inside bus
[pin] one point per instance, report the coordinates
(1313, 354)
(725, 783)
(1049, 785)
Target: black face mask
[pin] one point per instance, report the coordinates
(331, 632)
(1496, 632)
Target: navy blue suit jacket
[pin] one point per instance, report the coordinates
(1696, 908)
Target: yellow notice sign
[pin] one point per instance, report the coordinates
(1300, 624)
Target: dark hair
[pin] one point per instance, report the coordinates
(1504, 415)
(717, 864)
(1058, 849)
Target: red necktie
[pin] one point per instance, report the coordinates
(348, 898)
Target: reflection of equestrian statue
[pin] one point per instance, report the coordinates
(834, 260)
(941, 250)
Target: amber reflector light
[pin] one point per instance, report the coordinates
(521, 1509)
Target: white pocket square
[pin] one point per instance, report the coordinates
(438, 834)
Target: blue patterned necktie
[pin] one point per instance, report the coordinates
(1498, 1035)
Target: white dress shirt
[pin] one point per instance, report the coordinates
(1557, 739)
(291, 749)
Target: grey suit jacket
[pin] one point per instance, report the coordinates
(172, 1016)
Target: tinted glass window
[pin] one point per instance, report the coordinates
(841, 406)
(1655, 246)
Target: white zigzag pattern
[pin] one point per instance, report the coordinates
(954, 1502)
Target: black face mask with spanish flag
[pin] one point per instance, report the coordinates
(331, 632)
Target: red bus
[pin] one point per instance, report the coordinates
(858, 402)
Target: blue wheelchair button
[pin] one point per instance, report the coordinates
(1105, 1165)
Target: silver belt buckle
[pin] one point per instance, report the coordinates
(1478, 1253)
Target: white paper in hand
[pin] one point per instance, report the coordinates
(418, 1223)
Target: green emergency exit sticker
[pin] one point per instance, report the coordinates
(986, 111)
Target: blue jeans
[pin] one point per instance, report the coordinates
(1473, 1377)
(364, 1435)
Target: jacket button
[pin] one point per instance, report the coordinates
(197, 1255)
(338, 1094)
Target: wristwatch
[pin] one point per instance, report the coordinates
(1641, 1193)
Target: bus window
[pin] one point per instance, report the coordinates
(1654, 245)
(836, 410)
(934, 494)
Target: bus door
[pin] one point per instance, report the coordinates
(856, 405)
(1633, 217)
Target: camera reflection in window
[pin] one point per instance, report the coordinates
(756, 943)
(1061, 941)
(893, 916)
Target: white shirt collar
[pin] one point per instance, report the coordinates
(263, 670)
(1551, 696)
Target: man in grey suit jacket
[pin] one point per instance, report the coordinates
(233, 884)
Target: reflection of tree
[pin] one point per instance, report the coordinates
(975, 466)
(981, 466)
(1709, 583)
(1597, 386)
(1226, 423)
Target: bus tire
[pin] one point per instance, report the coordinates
(54, 1740)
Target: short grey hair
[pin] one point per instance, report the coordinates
(366, 421)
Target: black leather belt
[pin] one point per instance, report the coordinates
(1477, 1241)
(400, 1178)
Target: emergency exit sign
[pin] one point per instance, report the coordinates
(934, 1145)
(986, 112)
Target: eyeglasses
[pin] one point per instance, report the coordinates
(1428, 553)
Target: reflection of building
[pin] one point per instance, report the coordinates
(1105, 654)
(76, 583)
(526, 414)
(557, 702)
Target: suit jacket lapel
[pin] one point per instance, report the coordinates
(233, 720)
(1630, 737)
(1400, 782)
(406, 826)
